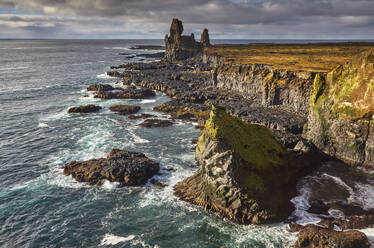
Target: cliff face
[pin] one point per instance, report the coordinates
(266, 85)
(342, 111)
(180, 47)
(245, 175)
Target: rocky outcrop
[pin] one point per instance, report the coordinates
(180, 47)
(84, 109)
(267, 86)
(341, 120)
(124, 109)
(184, 110)
(141, 116)
(124, 167)
(312, 236)
(205, 38)
(152, 123)
(100, 87)
(246, 175)
(128, 93)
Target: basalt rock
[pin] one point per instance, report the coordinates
(124, 167)
(312, 236)
(341, 119)
(205, 38)
(184, 110)
(124, 109)
(151, 123)
(128, 93)
(246, 175)
(84, 109)
(181, 47)
(100, 87)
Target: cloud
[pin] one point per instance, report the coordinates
(241, 18)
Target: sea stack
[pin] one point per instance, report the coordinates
(180, 47)
(246, 175)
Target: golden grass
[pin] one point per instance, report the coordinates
(317, 57)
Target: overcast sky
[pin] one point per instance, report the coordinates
(230, 19)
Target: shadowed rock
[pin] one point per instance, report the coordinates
(150, 123)
(124, 109)
(84, 109)
(127, 168)
(141, 116)
(205, 38)
(99, 87)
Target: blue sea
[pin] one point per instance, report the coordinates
(40, 207)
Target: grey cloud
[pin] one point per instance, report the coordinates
(242, 18)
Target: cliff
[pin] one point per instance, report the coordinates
(342, 111)
(246, 175)
(180, 47)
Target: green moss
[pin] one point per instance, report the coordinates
(253, 142)
(319, 86)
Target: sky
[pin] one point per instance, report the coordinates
(225, 19)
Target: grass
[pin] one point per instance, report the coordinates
(317, 57)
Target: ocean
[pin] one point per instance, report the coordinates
(40, 207)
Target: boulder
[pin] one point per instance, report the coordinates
(341, 119)
(246, 175)
(84, 109)
(124, 109)
(150, 123)
(124, 167)
(312, 236)
(99, 87)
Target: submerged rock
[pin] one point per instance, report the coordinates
(84, 109)
(312, 236)
(124, 109)
(341, 119)
(141, 116)
(150, 123)
(127, 168)
(246, 175)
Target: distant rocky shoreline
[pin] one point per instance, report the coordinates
(268, 127)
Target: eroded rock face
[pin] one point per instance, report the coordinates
(84, 109)
(180, 47)
(312, 236)
(127, 168)
(124, 109)
(342, 112)
(246, 175)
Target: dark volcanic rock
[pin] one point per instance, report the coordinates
(99, 87)
(151, 55)
(147, 47)
(184, 110)
(312, 236)
(246, 175)
(84, 109)
(124, 109)
(141, 116)
(156, 123)
(128, 93)
(127, 168)
(205, 38)
(157, 183)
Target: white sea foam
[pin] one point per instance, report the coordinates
(120, 48)
(41, 124)
(148, 101)
(110, 185)
(364, 195)
(110, 239)
(13, 68)
(104, 76)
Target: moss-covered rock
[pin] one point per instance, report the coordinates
(342, 110)
(246, 175)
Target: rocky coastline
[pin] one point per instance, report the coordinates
(264, 128)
